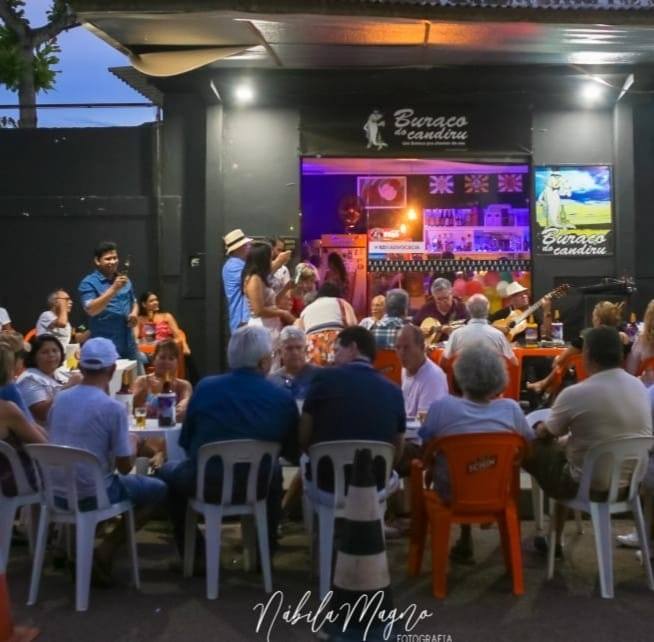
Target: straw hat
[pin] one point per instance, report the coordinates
(235, 239)
(514, 288)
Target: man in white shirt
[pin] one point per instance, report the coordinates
(423, 383)
(281, 277)
(5, 321)
(477, 330)
(85, 416)
(55, 320)
(610, 403)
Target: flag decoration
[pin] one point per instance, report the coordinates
(442, 184)
(476, 184)
(509, 183)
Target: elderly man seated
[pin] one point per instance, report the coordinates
(85, 416)
(477, 330)
(241, 404)
(385, 330)
(295, 374)
(482, 376)
(610, 403)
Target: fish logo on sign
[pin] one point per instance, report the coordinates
(372, 128)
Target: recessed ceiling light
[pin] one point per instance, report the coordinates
(591, 92)
(244, 94)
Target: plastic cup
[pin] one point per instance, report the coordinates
(140, 415)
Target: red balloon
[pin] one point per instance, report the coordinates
(459, 287)
(474, 287)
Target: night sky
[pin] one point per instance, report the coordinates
(83, 78)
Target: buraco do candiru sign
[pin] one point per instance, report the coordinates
(574, 211)
(418, 129)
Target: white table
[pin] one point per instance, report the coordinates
(122, 365)
(152, 428)
(412, 427)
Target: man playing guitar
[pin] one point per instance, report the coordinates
(436, 317)
(518, 300)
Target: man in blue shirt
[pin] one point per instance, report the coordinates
(242, 404)
(237, 246)
(109, 300)
(353, 400)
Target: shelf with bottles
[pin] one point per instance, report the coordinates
(493, 215)
(518, 229)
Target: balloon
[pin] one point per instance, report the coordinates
(491, 278)
(474, 287)
(500, 288)
(506, 276)
(459, 287)
(525, 280)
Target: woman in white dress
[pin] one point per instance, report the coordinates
(264, 310)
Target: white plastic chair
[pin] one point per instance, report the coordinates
(330, 506)
(64, 462)
(237, 451)
(25, 496)
(620, 452)
(537, 494)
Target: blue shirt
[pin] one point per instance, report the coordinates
(238, 405)
(239, 309)
(354, 402)
(298, 385)
(10, 392)
(111, 323)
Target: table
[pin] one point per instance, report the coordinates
(152, 428)
(412, 427)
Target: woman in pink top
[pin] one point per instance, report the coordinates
(155, 325)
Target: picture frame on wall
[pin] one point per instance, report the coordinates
(573, 212)
(382, 191)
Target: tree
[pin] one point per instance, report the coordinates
(28, 55)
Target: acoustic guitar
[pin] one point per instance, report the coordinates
(516, 322)
(432, 329)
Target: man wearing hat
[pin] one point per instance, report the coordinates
(237, 246)
(517, 298)
(85, 416)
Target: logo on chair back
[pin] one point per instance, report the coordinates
(482, 463)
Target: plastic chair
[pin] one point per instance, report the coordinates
(65, 462)
(237, 451)
(643, 366)
(537, 494)
(331, 506)
(388, 363)
(512, 390)
(484, 473)
(25, 496)
(620, 452)
(30, 335)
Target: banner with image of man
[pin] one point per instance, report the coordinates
(574, 211)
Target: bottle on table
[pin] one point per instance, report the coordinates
(632, 327)
(166, 402)
(557, 328)
(531, 331)
(125, 395)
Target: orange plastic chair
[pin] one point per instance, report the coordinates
(647, 364)
(484, 479)
(435, 354)
(512, 390)
(388, 363)
(30, 335)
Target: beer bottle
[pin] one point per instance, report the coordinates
(531, 332)
(166, 401)
(124, 395)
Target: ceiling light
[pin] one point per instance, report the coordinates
(244, 94)
(412, 216)
(591, 92)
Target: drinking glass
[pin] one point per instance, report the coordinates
(140, 415)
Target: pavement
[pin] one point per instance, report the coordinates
(479, 607)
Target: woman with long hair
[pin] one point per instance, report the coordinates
(604, 313)
(643, 348)
(337, 273)
(260, 296)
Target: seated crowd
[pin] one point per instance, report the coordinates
(326, 388)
